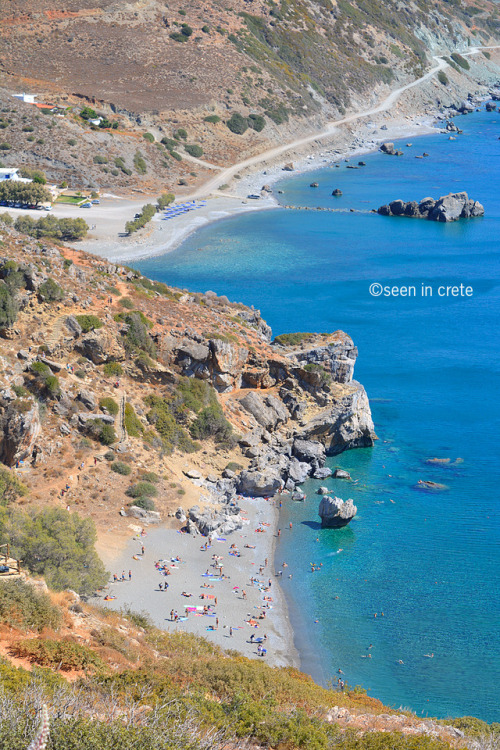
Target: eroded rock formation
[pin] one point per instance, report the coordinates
(447, 208)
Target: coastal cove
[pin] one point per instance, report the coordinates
(430, 366)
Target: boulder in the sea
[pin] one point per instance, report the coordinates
(341, 474)
(428, 486)
(335, 513)
(388, 148)
(322, 491)
(337, 192)
(314, 184)
(322, 473)
(447, 208)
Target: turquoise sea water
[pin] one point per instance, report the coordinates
(431, 367)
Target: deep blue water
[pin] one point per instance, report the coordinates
(430, 365)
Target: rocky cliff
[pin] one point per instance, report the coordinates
(97, 359)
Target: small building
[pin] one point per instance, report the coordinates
(27, 98)
(12, 173)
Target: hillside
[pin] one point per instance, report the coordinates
(153, 72)
(113, 680)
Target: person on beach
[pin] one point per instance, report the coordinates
(130, 575)
(291, 526)
(243, 594)
(230, 632)
(216, 623)
(279, 532)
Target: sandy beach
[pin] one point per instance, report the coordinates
(235, 602)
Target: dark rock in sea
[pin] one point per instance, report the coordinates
(361, 164)
(447, 208)
(335, 513)
(341, 474)
(490, 107)
(337, 192)
(429, 486)
(466, 107)
(314, 184)
(388, 148)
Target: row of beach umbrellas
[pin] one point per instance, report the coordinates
(182, 208)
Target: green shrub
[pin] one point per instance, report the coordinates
(142, 489)
(112, 369)
(443, 78)
(23, 607)
(99, 159)
(49, 291)
(137, 339)
(165, 200)
(233, 466)
(121, 468)
(52, 385)
(176, 156)
(11, 487)
(40, 369)
(172, 433)
(205, 29)
(144, 502)
(180, 134)
(237, 123)
(140, 164)
(324, 376)
(109, 404)
(6, 219)
(107, 434)
(178, 37)
(56, 544)
(80, 374)
(65, 655)
(149, 137)
(214, 119)
(9, 306)
(127, 303)
(193, 149)
(109, 456)
(292, 339)
(72, 141)
(257, 122)
(132, 423)
(460, 60)
(147, 213)
(211, 422)
(89, 322)
(20, 391)
(150, 476)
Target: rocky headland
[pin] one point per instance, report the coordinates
(97, 359)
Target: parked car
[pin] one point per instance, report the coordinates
(96, 202)
(86, 205)
(47, 208)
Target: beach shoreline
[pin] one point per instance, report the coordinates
(162, 237)
(227, 623)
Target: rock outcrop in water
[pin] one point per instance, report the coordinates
(447, 208)
(335, 513)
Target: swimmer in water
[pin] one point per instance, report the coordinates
(400, 661)
(429, 656)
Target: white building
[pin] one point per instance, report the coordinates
(10, 173)
(28, 98)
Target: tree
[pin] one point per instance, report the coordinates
(49, 291)
(8, 308)
(10, 486)
(237, 123)
(165, 200)
(58, 545)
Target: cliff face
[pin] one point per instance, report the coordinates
(109, 358)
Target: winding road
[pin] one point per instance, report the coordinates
(226, 174)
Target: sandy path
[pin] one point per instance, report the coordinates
(232, 610)
(328, 131)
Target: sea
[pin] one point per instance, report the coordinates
(405, 600)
